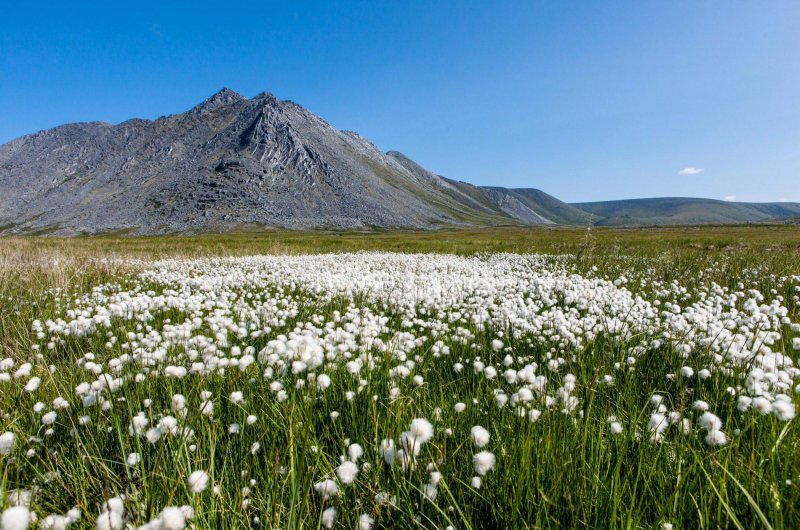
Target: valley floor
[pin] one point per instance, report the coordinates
(498, 378)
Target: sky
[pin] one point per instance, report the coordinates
(584, 100)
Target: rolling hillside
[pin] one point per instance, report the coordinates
(685, 211)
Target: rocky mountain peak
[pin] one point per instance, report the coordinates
(224, 97)
(228, 162)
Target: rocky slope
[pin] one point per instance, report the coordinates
(231, 163)
(227, 163)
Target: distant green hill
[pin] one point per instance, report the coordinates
(685, 211)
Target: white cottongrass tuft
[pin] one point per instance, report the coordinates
(658, 425)
(153, 435)
(710, 422)
(347, 472)
(58, 522)
(365, 522)
(109, 521)
(354, 452)
(429, 491)
(484, 462)
(207, 408)
(713, 425)
(15, 518)
(783, 407)
(172, 518)
(387, 451)
(762, 405)
(115, 504)
(716, 437)
(6, 443)
(326, 489)
(329, 517)
(479, 435)
(384, 499)
(743, 403)
(33, 384)
(421, 429)
(323, 382)
(198, 481)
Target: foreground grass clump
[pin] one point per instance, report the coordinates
(594, 388)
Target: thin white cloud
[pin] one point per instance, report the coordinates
(691, 171)
(730, 197)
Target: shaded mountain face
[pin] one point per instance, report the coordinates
(228, 162)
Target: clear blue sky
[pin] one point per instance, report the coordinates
(585, 100)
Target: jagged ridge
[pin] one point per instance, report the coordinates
(232, 162)
(226, 163)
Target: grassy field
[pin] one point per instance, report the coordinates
(626, 430)
(767, 238)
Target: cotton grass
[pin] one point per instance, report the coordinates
(364, 390)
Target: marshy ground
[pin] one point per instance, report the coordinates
(515, 378)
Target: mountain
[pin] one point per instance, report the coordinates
(228, 162)
(685, 211)
(526, 205)
(232, 162)
(545, 205)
